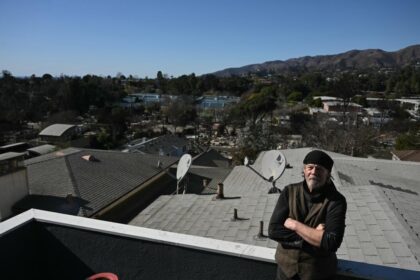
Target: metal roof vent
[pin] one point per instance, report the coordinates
(90, 158)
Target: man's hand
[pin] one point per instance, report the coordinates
(290, 224)
(311, 235)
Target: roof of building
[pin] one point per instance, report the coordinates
(407, 155)
(210, 166)
(96, 176)
(13, 145)
(326, 98)
(42, 149)
(10, 155)
(79, 247)
(56, 129)
(162, 145)
(382, 222)
(341, 103)
(213, 175)
(211, 158)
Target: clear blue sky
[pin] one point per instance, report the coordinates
(104, 37)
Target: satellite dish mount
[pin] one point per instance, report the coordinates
(272, 166)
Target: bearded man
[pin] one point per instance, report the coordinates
(308, 223)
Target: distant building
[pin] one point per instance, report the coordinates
(334, 106)
(340, 107)
(411, 105)
(136, 100)
(216, 102)
(58, 133)
(326, 98)
(375, 117)
(14, 147)
(40, 150)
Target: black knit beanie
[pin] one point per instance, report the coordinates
(320, 158)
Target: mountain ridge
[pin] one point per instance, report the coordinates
(352, 59)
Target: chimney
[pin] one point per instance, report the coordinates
(219, 193)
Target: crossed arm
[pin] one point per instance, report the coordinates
(311, 235)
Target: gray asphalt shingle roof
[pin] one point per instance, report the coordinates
(42, 149)
(10, 155)
(382, 222)
(210, 165)
(214, 175)
(211, 158)
(97, 182)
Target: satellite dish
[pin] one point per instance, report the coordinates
(246, 161)
(182, 169)
(183, 166)
(272, 165)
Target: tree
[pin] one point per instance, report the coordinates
(256, 106)
(181, 111)
(346, 88)
(161, 82)
(361, 100)
(408, 141)
(295, 96)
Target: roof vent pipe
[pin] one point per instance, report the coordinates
(261, 233)
(235, 215)
(219, 193)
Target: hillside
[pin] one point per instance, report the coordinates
(354, 59)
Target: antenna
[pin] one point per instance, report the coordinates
(273, 164)
(182, 169)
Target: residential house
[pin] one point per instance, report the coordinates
(95, 183)
(333, 107)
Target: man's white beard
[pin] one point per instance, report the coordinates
(314, 184)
